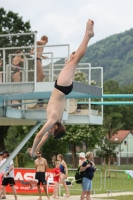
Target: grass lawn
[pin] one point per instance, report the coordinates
(126, 197)
(30, 164)
(114, 182)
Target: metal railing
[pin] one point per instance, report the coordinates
(56, 53)
(96, 182)
(117, 181)
(7, 48)
(26, 70)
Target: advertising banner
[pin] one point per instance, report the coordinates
(22, 177)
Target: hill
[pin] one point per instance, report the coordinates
(115, 55)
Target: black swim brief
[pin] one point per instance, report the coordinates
(64, 89)
(39, 59)
(15, 71)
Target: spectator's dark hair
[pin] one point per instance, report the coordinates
(7, 153)
(60, 132)
(44, 37)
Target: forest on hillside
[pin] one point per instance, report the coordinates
(115, 55)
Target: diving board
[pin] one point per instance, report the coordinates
(23, 91)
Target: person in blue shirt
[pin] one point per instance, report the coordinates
(88, 167)
(64, 173)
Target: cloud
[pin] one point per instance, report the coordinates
(64, 21)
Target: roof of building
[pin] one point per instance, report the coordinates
(120, 136)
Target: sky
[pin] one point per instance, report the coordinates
(64, 21)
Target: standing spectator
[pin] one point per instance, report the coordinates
(40, 48)
(16, 72)
(16, 62)
(2, 160)
(89, 168)
(64, 173)
(41, 167)
(81, 158)
(0, 64)
(39, 51)
(8, 176)
(1, 74)
(53, 160)
(56, 175)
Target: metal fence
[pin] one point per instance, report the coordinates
(117, 181)
(76, 188)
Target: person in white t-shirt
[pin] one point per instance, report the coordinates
(9, 175)
(2, 160)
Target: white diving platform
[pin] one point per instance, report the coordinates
(28, 91)
(30, 114)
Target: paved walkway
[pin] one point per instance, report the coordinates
(93, 197)
(24, 197)
(111, 194)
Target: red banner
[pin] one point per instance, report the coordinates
(22, 176)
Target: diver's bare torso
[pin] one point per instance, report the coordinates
(56, 105)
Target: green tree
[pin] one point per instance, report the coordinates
(3, 133)
(115, 55)
(10, 22)
(107, 151)
(77, 134)
(54, 147)
(15, 135)
(50, 148)
(120, 114)
(80, 76)
(111, 87)
(125, 110)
